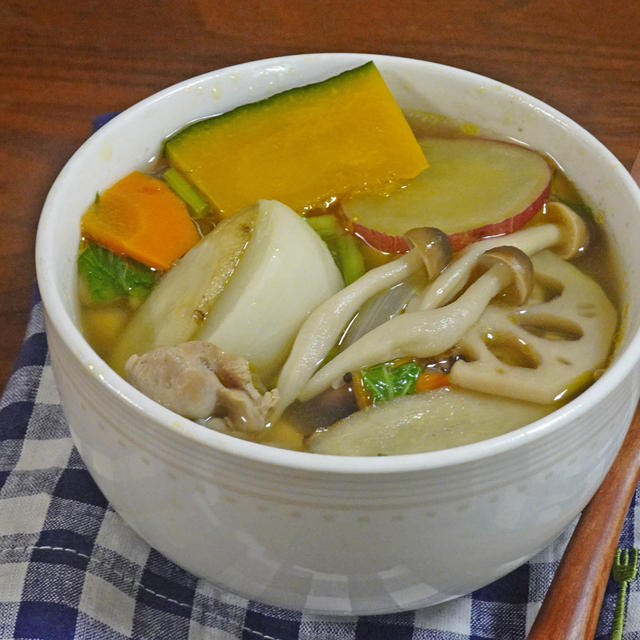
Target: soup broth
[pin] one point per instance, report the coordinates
(336, 418)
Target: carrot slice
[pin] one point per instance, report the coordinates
(139, 216)
(361, 393)
(427, 381)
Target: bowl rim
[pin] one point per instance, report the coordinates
(61, 320)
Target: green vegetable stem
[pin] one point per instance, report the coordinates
(198, 205)
(342, 245)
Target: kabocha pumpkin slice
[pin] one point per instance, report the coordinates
(303, 147)
(140, 217)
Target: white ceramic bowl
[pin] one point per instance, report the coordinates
(322, 533)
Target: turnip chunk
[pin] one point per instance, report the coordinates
(561, 342)
(428, 421)
(285, 272)
(175, 309)
(418, 334)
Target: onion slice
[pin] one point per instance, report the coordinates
(377, 310)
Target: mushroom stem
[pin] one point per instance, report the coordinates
(552, 369)
(320, 331)
(323, 326)
(564, 232)
(420, 334)
(444, 288)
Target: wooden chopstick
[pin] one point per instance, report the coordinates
(572, 604)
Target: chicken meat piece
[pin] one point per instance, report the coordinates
(197, 380)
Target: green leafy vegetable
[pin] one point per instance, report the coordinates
(187, 192)
(342, 245)
(110, 276)
(386, 380)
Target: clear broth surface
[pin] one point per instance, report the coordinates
(102, 323)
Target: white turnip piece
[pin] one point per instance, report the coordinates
(285, 272)
(177, 306)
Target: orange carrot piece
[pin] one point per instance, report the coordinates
(361, 393)
(140, 217)
(427, 381)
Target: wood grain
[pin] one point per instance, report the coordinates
(63, 62)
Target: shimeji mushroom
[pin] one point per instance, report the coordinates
(541, 352)
(427, 333)
(431, 249)
(561, 230)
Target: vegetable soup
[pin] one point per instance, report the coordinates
(322, 272)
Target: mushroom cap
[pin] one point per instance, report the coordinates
(434, 247)
(520, 266)
(575, 234)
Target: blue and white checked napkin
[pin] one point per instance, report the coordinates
(71, 568)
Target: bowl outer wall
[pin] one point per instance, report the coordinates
(510, 495)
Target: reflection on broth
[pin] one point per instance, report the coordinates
(352, 327)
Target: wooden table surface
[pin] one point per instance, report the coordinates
(63, 62)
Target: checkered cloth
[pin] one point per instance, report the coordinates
(71, 568)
